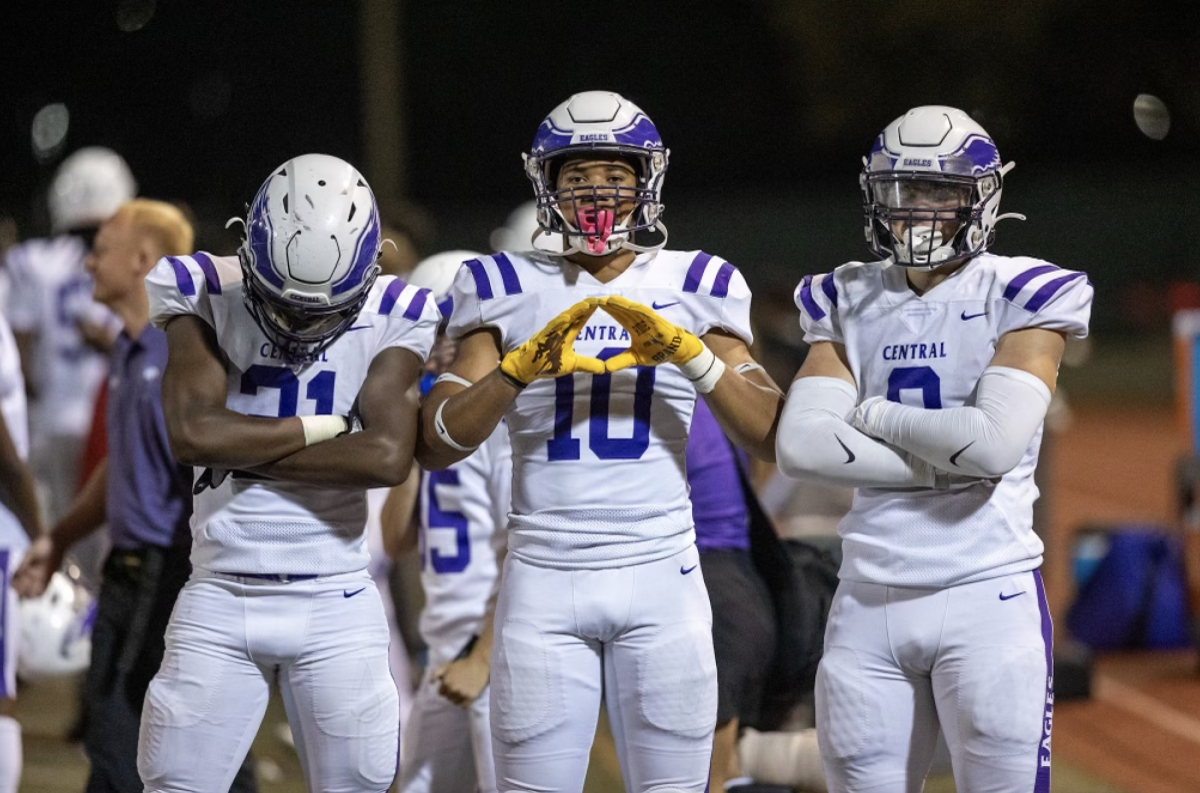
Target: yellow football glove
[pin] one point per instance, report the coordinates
(652, 339)
(551, 352)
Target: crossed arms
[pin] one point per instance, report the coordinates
(204, 432)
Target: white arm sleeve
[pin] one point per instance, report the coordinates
(986, 440)
(815, 443)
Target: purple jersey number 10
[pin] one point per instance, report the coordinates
(563, 447)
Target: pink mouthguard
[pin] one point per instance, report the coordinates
(597, 224)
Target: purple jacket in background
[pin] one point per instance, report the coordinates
(149, 494)
(718, 505)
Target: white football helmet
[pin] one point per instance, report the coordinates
(519, 231)
(309, 257)
(931, 189)
(56, 630)
(88, 188)
(436, 273)
(598, 121)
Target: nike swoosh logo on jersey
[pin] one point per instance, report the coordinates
(358, 327)
(661, 306)
(954, 457)
(346, 594)
(685, 570)
(1010, 597)
(849, 454)
(967, 316)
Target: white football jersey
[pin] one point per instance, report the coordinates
(49, 293)
(12, 406)
(598, 460)
(259, 526)
(462, 514)
(929, 351)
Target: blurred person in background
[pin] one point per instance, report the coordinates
(926, 388)
(743, 614)
(61, 331)
(19, 524)
(460, 531)
(142, 494)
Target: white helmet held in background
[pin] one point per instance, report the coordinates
(519, 230)
(56, 630)
(436, 273)
(310, 254)
(88, 188)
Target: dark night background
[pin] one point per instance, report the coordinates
(767, 106)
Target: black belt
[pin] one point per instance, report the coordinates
(283, 578)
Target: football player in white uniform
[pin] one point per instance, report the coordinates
(601, 595)
(926, 386)
(446, 746)
(19, 524)
(276, 358)
(60, 329)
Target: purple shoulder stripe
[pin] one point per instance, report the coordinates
(829, 288)
(696, 271)
(211, 281)
(806, 298)
(1043, 295)
(483, 286)
(721, 284)
(183, 277)
(388, 301)
(417, 305)
(508, 274)
(1017, 284)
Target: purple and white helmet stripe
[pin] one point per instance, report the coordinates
(309, 259)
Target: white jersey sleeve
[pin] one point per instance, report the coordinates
(1038, 294)
(411, 315)
(817, 298)
(183, 284)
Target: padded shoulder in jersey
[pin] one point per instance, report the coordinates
(708, 276)
(1037, 294)
(480, 288)
(186, 284)
(817, 298)
(406, 315)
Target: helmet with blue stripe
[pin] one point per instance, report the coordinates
(931, 189)
(310, 253)
(605, 124)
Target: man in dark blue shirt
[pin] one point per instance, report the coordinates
(140, 491)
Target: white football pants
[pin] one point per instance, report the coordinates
(974, 658)
(445, 748)
(639, 636)
(230, 638)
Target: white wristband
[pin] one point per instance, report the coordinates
(440, 427)
(322, 428)
(704, 370)
(449, 377)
